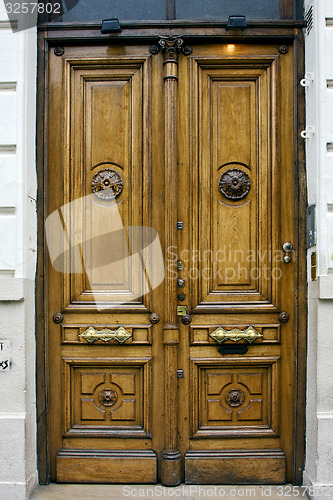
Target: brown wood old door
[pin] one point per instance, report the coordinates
(191, 376)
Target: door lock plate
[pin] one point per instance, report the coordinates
(181, 310)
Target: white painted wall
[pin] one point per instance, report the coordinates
(18, 470)
(319, 148)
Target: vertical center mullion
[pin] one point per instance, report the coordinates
(171, 9)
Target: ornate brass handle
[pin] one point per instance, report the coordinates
(91, 335)
(250, 334)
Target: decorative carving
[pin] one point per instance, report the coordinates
(235, 397)
(234, 184)
(284, 317)
(154, 49)
(154, 318)
(91, 335)
(171, 46)
(250, 334)
(59, 51)
(283, 49)
(186, 320)
(58, 317)
(107, 184)
(108, 397)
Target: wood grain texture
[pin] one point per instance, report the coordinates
(287, 9)
(235, 467)
(78, 466)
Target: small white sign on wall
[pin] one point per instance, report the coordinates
(5, 354)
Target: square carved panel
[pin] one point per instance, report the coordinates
(235, 397)
(107, 396)
(234, 179)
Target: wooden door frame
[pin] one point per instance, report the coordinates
(283, 33)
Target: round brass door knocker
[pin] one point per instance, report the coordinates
(107, 184)
(234, 184)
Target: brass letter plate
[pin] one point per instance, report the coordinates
(250, 334)
(91, 335)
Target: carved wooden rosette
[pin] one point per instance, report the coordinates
(171, 458)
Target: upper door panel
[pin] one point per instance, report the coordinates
(235, 187)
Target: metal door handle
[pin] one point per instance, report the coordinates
(250, 334)
(120, 335)
(287, 247)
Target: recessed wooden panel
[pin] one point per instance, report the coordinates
(233, 136)
(108, 397)
(235, 467)
(108, 129)
(238, 396)
(117, 466)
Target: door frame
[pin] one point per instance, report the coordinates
(283, 33)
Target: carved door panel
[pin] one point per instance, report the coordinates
(105, 391)
(236, 164)
(196, 149)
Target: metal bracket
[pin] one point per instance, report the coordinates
(307, 80)
(91, 335)
(308, 132)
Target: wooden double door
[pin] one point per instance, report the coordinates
(193, 380)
